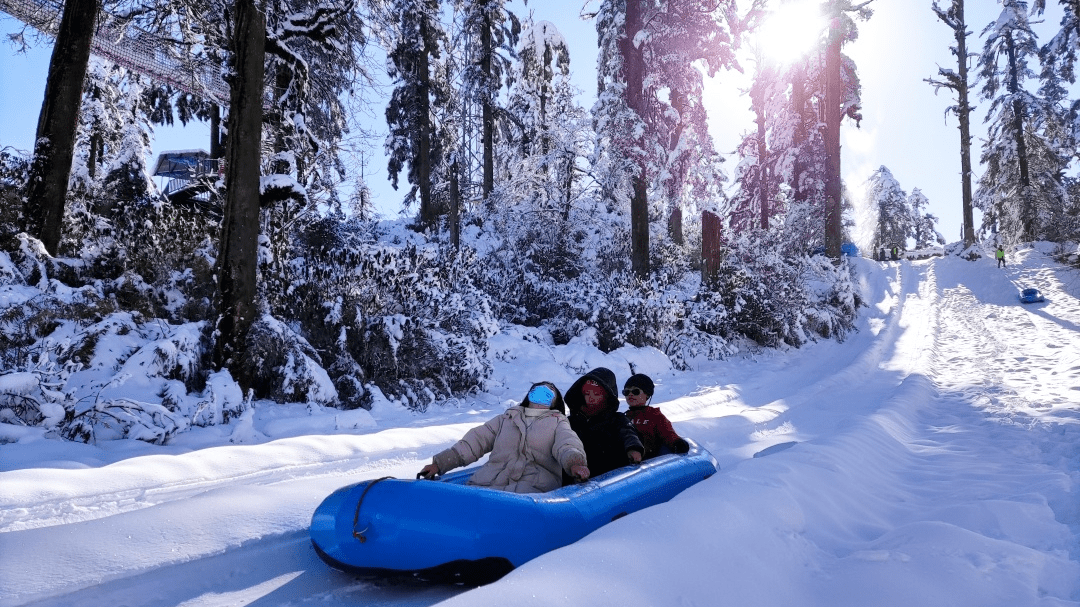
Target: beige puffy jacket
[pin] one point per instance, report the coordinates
(524, 458)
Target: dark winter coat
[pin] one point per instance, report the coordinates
(608, 435)
(655, 431)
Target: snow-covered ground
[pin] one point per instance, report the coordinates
(933, 458)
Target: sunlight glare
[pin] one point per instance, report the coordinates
(791, 31)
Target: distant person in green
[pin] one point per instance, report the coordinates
(1000, 255)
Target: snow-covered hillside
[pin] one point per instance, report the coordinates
(933, 458)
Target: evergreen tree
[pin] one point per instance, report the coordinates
(1021, 187)
(1060, 53)
(413, 138)
(539, 155)
(491, 33)
(888, 204)
(923, 224)
(790, 105)
(644, 140)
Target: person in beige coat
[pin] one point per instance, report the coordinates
(530, 444)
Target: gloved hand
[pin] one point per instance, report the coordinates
(580, 473)
(681, 446)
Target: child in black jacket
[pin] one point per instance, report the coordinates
(609, 438)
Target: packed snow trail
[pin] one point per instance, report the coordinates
(940, 467)
(932, 458)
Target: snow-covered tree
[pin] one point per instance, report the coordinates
(547, 130)
(54, 145)
(923, 224)
(649, 116)
(790, 103)
(841, 100)
(1021, 186)
(888, 205)
(1060, 53)
(957, 81)
(490, 37)
(414, 138)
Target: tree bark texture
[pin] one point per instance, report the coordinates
(634, 72)
(428, 214)
(216, 149)
(711, 246)
(833, 115)
(455, 207)
(798, 105)
(58, 122)
(238, 249)
(757, 103)
(964, 114)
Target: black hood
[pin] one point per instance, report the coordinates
(601, 375)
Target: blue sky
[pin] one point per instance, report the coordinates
(904, 126)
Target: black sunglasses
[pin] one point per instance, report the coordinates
(631, 391)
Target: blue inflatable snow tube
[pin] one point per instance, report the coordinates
(448, 531)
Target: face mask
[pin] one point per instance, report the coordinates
(541, 396)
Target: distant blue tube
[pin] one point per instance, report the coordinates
(451, 532)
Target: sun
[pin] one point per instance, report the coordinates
(791, 31)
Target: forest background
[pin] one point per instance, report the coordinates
(611, 224)
(905, 127)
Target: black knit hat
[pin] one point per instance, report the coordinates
(642, 381)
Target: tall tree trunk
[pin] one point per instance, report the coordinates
(964, 114)
(1027, 212)
(488, 115)
(798, 107)
(757, 103)
(236, 263)
(675, 228)
(58, 122)
(681, 105)
(568, 185)
(428, 216)
(455, 207)
(634, 72)
(97, 146)
(833, 115)
(216, 149)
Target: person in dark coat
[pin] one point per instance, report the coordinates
(652, 425)
(609, 438)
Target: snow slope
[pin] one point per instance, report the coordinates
(933, 458)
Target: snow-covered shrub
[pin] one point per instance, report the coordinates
(154, 256)
(36, 397)
(405, 317)
(283, 365)
(774, 298)
(125, 418)
(222, 401)
(833, 299)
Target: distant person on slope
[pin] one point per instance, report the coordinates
(652, 425)
(1000, 255)
(531, 446)
(609, 438)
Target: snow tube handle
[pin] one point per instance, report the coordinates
(356, 517)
